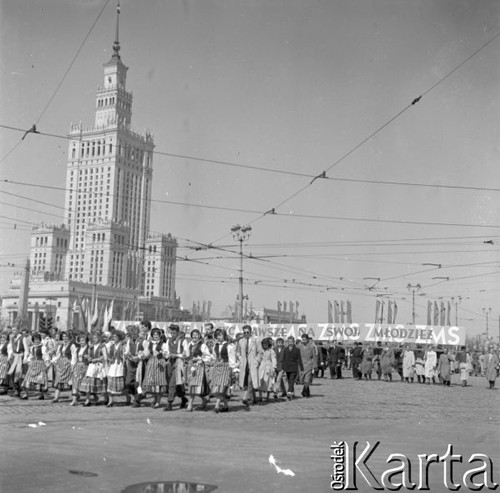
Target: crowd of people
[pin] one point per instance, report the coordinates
(146, 362)
(429, 364)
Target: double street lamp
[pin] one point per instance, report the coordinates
(413, 288)
(241, 233)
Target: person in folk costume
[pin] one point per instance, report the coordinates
(133, 349)
(366, 366)
(16, 360)
(49, 351)
(95, 381)
(79, 366)
(209, 363)
(267, 368)
(408, 364)
(492, 365)
(249, 354)
(62, 365)
(142, 343)
(116, 368)
(176, 351)
(387, 362)
(444, 368)
(155, 380)
(225, 359)
(4, 362)
(419, 364)
(196, 377)
(37, 372)
(430, 365)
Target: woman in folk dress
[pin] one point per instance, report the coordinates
(430, 362)
(155, 379)
(116, 369)
(95, 380)
(267, 369)
(196, 378)
(37, 372)
(62, 365)
(4, 362)
(408, 364)
(79, 366)
(221, 373)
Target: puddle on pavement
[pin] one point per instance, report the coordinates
(86, 474)
(169, 487)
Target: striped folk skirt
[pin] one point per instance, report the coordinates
(155, 379)
(116, 380)
(79, 372)
(197, 380)
(36, 374)
(221, 377)
(95, 381)
(4, 366)
(62, 380)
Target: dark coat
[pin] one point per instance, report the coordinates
(336, 356)
(279, 358)
(292, 360)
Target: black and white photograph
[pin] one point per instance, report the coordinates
(249, 246)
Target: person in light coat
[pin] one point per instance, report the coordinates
(492, 364)
(249, 354)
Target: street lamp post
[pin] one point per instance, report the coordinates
(487, 311)
(241, 233)
(413, 288)
(456, 301)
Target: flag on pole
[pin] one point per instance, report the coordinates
(448, 322)
(382, 303)
(394, 312)
(330, 314)
(349, 313)
(341, 311)
(436, 313)
(389, 312)
(377, 311)
(429, 312)
(336, 311)
(95, 316)
(442, 315)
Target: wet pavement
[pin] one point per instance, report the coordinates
(57, 448)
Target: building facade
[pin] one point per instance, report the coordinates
(105, 246)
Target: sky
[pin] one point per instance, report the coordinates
(254, 99)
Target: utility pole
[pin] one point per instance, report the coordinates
(487, 311)
(241, 233)
(413, 289)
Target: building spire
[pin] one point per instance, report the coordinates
(116, 44)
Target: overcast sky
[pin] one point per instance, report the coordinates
(288, 85)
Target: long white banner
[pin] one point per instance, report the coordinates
(363, 332)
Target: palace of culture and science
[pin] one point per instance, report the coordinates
(105, 249)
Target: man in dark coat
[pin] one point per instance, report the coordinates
(292, 364)
(336, 358)
(356, 358)
(279, 386)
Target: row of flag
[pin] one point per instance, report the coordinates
(90, 318)
(288, 312)
(438, 314)
(339, 313)
(201, 311)
(392, 311)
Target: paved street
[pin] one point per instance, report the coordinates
(122, 446)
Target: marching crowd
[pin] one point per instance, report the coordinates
(146, 362)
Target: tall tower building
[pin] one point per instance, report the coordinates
(105, 250)
(109, 178)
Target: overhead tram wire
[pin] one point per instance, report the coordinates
(288, 172)
(322, 175)
(33, 129)
(306, 216)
